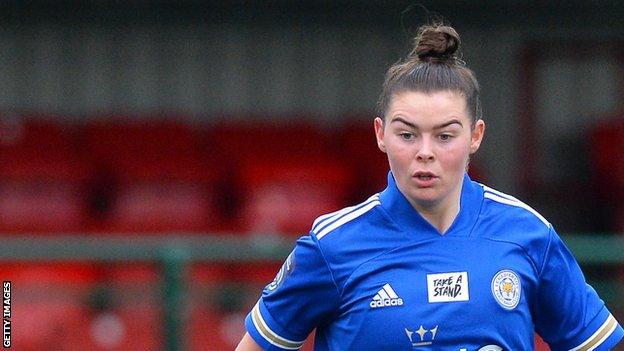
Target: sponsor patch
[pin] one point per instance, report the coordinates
(506, 288)
(448, 287)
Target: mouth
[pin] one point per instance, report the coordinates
(424, 176)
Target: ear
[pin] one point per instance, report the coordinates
(477, 136)
(379, 133)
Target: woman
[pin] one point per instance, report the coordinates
(435, 261)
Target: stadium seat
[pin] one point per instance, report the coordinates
(40, 147)
(146, 207)
(137, 328)
(286, 196)
(41, 207)
(143, 326)
(41, 178)
(40, 323)
(358, 146)
(145, 149)
(79, 275)
(606, 142)
(606, 145)
(240, 141)
(209, 330)
(47, 302)
(263, 160)
(160, 181)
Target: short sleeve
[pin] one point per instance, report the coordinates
(302, 296)
(569, 315)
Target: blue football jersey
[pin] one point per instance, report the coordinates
(378, 276)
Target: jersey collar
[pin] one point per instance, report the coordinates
(402, 212)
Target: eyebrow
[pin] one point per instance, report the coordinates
(439, 126)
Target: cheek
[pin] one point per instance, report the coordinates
(400, 160)
(454, 158)
(397, 160)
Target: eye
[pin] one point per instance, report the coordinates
(445, 137)
(406, 135)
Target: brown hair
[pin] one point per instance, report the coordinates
(433, 65)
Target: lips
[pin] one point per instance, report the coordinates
(425, 179)
(423, 175)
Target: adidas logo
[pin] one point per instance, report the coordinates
(386, 297)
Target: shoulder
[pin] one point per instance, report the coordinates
(354, 235)
(511, 208)
(506, 218)
(347, 219)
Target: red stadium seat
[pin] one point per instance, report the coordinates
(133, 328)
(286, 197)
(47, 302)
(209, 330)
(161, 182)
(145, 149)
(359, 147)
(143, 326)
(36, 148)
(41, 207)
(79, 275)
(41, 178)
(38, 324)
(242, 141)
(606, 144)
(162, 207)
(51, 308)
(263, 160)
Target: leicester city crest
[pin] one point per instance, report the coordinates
(506, 289)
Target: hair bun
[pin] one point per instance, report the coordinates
(436, 44)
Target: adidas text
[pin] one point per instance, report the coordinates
(386, 302)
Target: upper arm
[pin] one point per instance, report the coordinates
(248, 344)
(302, 296)
(569, 313)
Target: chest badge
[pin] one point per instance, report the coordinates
(506, 289)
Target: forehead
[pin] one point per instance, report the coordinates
(421, 107)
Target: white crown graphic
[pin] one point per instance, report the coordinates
(422, 332)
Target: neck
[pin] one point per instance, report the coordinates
(442, 214)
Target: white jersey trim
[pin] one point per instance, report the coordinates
(347, 218)
(499, 193)
(324, 220)
(268, 334)
(597, 338)
(516, 203)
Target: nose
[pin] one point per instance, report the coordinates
(425, 153)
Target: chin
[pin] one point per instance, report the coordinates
(425, 199)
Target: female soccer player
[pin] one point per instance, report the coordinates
(436, 261)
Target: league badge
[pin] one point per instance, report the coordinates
(287, 268)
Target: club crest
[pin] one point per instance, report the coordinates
(506, 289)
